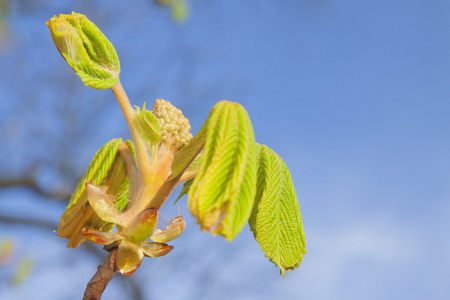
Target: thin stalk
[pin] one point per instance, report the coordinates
(128, 112)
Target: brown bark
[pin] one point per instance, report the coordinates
(96, 286)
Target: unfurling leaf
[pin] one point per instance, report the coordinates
(86, 50)
(276, 221)
(148, 125)
(190, 172)
(222, 193)
(107, 164)
(184, 190)
(98, 170)
(128, 153)
(186, 156)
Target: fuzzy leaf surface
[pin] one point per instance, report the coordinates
(98, 169)
(276, 222)
(117, 180)
(187, 155)
(105, 167)
(86, 49)
(149, 127)
(222, 193)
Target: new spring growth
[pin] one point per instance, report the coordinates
(174, 126)
(222, 194)
(86, 50)
(229, 178)
(165, 131)
(131, 240)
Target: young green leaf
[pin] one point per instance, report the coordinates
(118, 180)
(148, 124)
(86, 50)
(122, 195)
(186, 156)
(184, 190)
(128, 154)
(276, 222)
(98, 169)
(188, 176)
(78, 214)
(192, 170)
(222, 193)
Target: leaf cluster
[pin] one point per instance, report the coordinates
(229, 178)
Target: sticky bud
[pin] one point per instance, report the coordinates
(142, 226)
(129, 257)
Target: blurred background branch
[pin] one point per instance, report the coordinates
(28, 221)
(28, 182)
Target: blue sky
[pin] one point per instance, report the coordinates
(353, 95)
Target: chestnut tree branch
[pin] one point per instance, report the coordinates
(96, 286)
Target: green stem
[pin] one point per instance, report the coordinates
(128, 111)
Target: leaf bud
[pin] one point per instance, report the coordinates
(86, 50)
